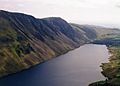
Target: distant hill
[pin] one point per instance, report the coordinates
(101, 32)
(26, 41)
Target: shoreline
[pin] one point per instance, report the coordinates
(47, 61)
(35, 65)
(102, 82)
(108, 69)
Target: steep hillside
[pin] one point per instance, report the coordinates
(26, 41)
(101, 32)
(104, 32)
(100, 35)
(89, 33)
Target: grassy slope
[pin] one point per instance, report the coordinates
(10, 60)
(19, 51)
(101, 32)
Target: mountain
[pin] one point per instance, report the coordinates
(88, 33)
(98, 31)
(26, 41)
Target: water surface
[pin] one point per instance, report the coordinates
(76, 68)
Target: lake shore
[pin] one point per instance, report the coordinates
(22, 70)
(111, 69)
(67, 70)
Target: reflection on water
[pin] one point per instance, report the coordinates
(76, 68)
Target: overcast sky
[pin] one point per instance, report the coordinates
(99, 12)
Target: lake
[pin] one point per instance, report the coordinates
(78, 67)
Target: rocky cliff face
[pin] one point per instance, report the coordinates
(26, 41)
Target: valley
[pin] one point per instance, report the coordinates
(26, 41)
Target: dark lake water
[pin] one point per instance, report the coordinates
(76, 68)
